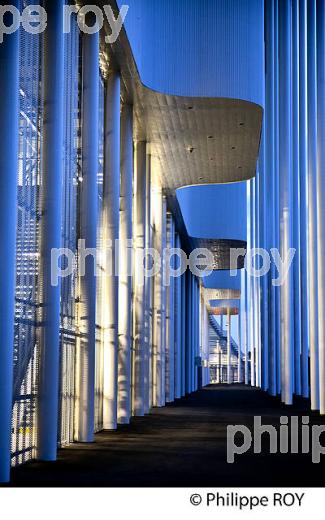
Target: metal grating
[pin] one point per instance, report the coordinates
(26, 348)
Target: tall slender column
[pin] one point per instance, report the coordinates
(139, 285)
(247, 375)
(148, 285)
(178, 330)
(285, 165)
(188, 300)
(243, 328)
(264, 297)
(296, 197)
(303, 195)
(111, 196)
(250, 286)
(125, 264)
(9, 113)
(163, 305)
(270, 192)
(207, 346)
(321, 195)
(193, 343)
(88, 233)
(229, 347)
(312, 202)
(184, 332)
(170, 343)
(192, 338)
(276, 193)
(52, 168)
(239, 348)
(157, 300)
(257, 286)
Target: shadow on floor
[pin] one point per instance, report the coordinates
(184, 444)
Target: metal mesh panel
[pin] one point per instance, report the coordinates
(27, 261)
(99, 376)
(69, 233)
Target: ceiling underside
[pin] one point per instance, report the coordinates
(198, 140)
(221, 294)
(221, 250)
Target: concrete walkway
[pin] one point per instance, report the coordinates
(184, 444)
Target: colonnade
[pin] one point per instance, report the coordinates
(286, 201)
(151, 334)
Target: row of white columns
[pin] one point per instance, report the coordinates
(150, 331)
(291, 186)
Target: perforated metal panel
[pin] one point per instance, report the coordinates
(24, 426)
(69, 232)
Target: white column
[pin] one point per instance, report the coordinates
(246, 325)
(303, 136)
(88, 233)
(239, 348)
(125, 267)
(229, 347)
(170, 321)
(157, 300)
(250, 285)
(277, 317)
(312, 203)
(111, 194)
(242, 321)
(285, 194)
(163, 306)
(321, 195)
(270, 57)
(184, 332)
(50, 230)
(178, 330)
(296, 195)
(148, 287)
(139, 281)
(188, 331)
